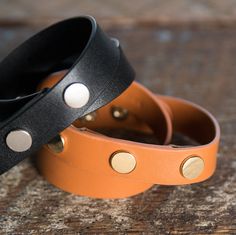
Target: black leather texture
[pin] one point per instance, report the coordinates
(91, 57)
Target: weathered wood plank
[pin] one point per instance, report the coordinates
(119, 12)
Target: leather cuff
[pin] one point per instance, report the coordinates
(97, 73)
(88, 163)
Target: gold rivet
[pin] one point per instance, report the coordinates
(56, 144)
(119, 113)
(123, 162)
(89, 117)
(192, 167)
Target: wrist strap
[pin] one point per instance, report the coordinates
(96, 165)
(97, 73)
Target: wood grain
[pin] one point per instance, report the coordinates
(111, 12)
(193, 63)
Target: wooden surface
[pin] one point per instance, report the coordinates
(195, 63)
(120, 12)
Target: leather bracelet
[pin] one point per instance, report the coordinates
(98, 73)
(87, 163)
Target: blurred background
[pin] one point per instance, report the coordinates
(176, 34)
(184, 48)
(120, 12)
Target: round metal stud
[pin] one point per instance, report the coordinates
(116, 41)
(192, 167)
(76, 95)
(19, 140)
(123, 162)
(119, 113)
(56, 144)
(89, 117)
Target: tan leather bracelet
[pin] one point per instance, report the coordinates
(87, 163)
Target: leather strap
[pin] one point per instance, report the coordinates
(92, 59)
(84, 166)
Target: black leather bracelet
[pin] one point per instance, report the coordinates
(98, 73)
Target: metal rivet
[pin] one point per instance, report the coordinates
(192, 167)
(119, 113)
(116, 41)
(56, 144)
(19, 140)
(123, 162)
(89, 117)
(76, 95)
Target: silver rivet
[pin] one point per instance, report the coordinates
(56, 144)
(123, 162)
(116, 41)
(19, 140)
(76, 95)
(119, 113)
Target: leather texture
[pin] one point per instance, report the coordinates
(91, 58)
(84, 165)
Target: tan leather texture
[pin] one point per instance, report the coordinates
(84, 166)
